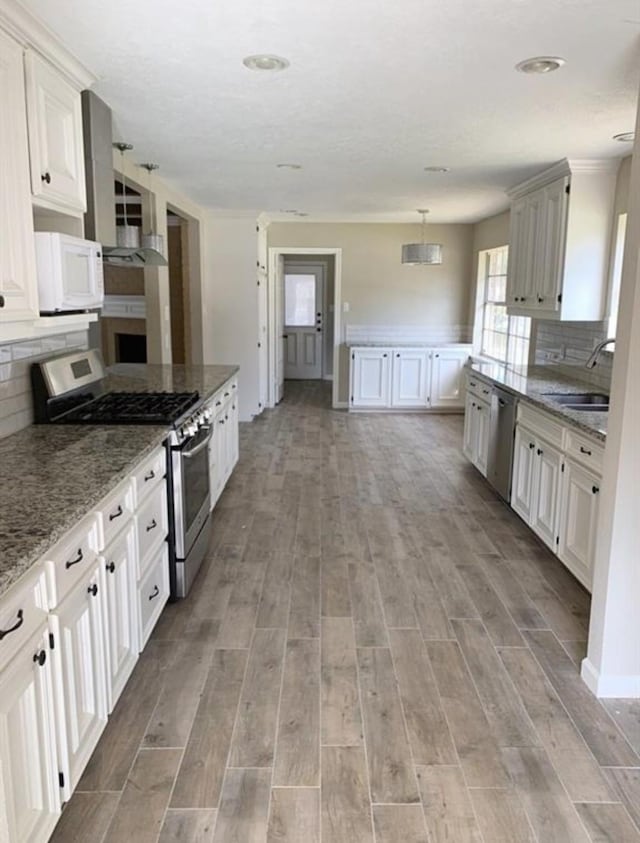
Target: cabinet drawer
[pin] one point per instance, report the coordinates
(152, 526)
(149, 474)
(70, 559)
(153, 593)
(478, 387)
(584, 450)
(23, 610)
(541, 423)
(114, 513)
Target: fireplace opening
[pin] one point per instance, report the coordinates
(131, 348)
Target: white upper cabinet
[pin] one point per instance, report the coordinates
(18, 285)
(55, 138)
(559, 241)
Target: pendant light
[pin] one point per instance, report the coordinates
(152, 240)
(422, 253)
(127, 236)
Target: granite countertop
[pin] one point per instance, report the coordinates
(145, 377)
(394, 344)
(534, 383)
(51, 476)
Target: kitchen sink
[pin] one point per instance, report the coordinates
(585, 402)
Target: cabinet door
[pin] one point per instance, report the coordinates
(79, 676)
(121, 627)
(524, 454)
(446, 378)
(578, 521)
(552, 243)
(234, 433)
(370, 385)
(516, 268)
(483, 412)
(18, 285)
(55, 137)
(544, 511)
(29, 788)
(470, 436)
(410, 379)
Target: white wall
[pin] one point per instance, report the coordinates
(230, 304)
(379, 289)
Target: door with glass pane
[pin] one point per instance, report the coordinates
(303, 321)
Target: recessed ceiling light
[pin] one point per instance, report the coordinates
(265, 61)
(625, 137)
(289, 166)
(540, 64)
(437, 169)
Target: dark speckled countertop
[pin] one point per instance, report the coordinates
(534, 385)
(53, 475)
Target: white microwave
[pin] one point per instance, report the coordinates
(69, 270)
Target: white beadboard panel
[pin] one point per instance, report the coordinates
(567, 346)
(16, 404)
(407, 333)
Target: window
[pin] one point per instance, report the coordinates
(499, 336)
(616, 274)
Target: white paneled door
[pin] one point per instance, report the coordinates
(303, 321)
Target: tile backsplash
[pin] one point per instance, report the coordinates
(16, 405)
(567, 345)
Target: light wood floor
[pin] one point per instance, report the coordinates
(377, 649)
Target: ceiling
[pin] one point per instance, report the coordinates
(375, 92)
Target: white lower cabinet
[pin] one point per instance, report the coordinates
(410, 378)
(153, 593)
(29, 787)
(224, 445)
(580, 501)
(477, 419)
(70, 634)
(79, 676)
(407, 378)
(121, 627)
(556, 488)
(535, 484)
(447, 382)
(371, 378)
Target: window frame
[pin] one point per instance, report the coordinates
(482, 301)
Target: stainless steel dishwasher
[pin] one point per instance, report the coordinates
(501, 439)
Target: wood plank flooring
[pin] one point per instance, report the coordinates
(376, 650)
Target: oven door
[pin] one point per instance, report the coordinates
(191, 490)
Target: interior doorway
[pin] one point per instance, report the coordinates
(304, 317)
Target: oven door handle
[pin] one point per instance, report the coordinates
(192, 453)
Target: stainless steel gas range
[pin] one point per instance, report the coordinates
(71, 389)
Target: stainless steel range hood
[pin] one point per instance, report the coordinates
(126, 256)
(100, 219)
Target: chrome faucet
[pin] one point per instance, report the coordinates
(593, 359)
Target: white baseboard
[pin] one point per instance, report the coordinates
(341, 405)
(605, 687)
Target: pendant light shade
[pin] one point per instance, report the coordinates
(422, 253)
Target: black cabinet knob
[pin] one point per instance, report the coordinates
(1, 301)
(46, 177)
(111, 567)
(595, 490)
(40, 658)
(93, 590)
(532, 445)
(539, 452)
